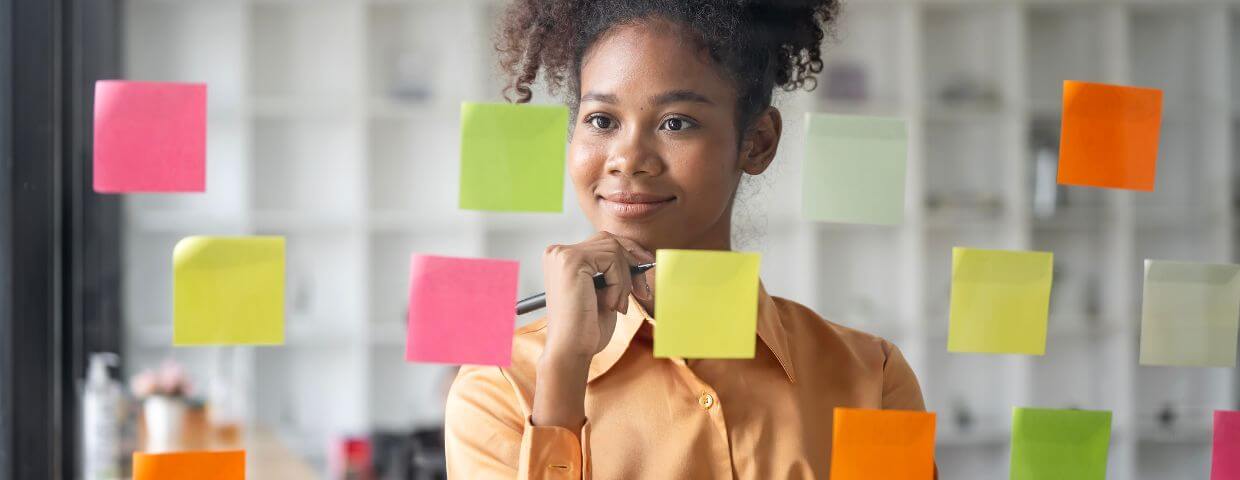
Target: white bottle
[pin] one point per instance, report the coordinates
(103, 413)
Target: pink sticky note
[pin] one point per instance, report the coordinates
(150, 136)
(1226, 465)
(461, 310)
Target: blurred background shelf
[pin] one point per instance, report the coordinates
(336, 123)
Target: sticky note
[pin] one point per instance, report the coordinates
(870, 444)
(707, 304)
(512, 157)
(1226, 453)
(461, 310)
(228, 291)
(150, 137)
(854, 169)
(218, 465)
(1060, 444)
(999, 301)
(1109, 135)
(1190, 314)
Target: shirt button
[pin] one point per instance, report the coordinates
(706, 401)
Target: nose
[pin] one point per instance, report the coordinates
(632, 154)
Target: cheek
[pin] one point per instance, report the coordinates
(707, 172)
(584, 166)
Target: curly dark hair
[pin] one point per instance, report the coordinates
(759, 44)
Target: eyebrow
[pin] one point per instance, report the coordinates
(674, 96)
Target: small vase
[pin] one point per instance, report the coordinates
(165, 418)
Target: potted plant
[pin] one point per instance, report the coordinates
(163, 393)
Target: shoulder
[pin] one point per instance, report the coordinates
(816, 337)
(514, 382)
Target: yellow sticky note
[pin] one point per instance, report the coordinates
(999, 301)
(228, 290)
(706, 304)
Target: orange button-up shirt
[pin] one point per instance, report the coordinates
(667, 418)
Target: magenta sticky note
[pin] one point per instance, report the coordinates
(1226, 464)
(461, 310)
(150, 136)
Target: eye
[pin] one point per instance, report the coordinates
(600, 122)
(676, 124)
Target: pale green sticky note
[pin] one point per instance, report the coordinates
(512, 157)
(706, 304)
(854, 169)
(1190, 314)
(228, 291)
(999, 301)
(1060, 444)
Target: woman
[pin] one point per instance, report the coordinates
(670, 105)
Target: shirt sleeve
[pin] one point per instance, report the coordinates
(901, 391)
(488, 436)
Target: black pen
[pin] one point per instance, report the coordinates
(539, 300)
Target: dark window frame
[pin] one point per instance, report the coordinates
(59, 241)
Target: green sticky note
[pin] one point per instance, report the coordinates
(228, 291)
(1060, 444)
(999, 301)
(706, 304)
(854, 169)
(1190, 314)
(512, 157)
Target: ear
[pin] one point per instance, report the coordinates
(761, 141)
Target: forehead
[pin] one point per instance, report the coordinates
(649, 57)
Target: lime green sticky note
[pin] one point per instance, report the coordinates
(854, 169)
(228, 291)
(512, 157)
(706, 304)
(999, 301)
(1060, 444)
(1190, 314)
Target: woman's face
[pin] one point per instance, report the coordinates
(654, 154)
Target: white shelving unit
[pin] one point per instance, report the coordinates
(335, 123)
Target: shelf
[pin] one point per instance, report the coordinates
(1166, 53)
(1201, 434)
(390, 254)
(863, 69)
(411, 222)
(993, 437)
(298, 332)
(308, 164)
(291, 55)
(960, 69)
(414, 165)
(185, 223)
(406, 58)
(337, 124)
(1063, 42)
(297, 221)
(180, 41)
(292, 107)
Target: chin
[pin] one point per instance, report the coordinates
(652, 235)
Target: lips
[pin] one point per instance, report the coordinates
(634, 205)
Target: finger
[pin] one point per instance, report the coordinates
(642, 254)
(614, 265)
(641, 287)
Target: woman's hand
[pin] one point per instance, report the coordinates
(581, 319)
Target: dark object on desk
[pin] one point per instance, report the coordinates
(539, 300)
(417, 455)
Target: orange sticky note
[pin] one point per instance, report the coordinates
(220, 465)
(1109, 135)
(870, 444)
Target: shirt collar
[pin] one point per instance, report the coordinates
(770, 331)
